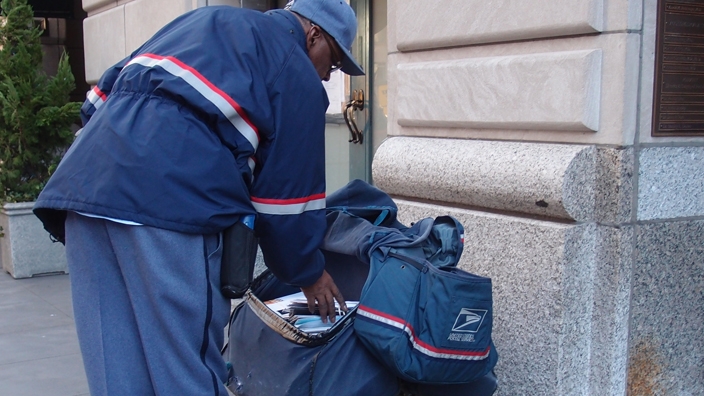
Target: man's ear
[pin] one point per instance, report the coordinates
(314, 35)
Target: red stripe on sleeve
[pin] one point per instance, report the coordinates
(292, 201)
(100, 93)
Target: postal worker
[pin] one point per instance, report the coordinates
(221, 114)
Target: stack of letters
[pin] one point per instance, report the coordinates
(294, 309)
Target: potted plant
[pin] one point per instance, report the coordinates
(35, 131)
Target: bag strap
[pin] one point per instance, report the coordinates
(382, 216)
(373, 214)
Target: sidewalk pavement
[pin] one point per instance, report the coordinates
(39, 353)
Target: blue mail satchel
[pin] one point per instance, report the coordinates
(425, 319)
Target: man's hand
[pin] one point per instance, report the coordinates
(324, 290)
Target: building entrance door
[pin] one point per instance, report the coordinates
(359, 126)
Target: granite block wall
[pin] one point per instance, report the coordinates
(543, 221)
(560, 298)
(104, 41)
(115, 28)
(666, 341)
(532, 125)
(523, 257)
(603, 299)
(671, 182)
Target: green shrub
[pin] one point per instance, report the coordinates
(35, 112)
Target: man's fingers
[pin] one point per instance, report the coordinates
(323, 306)
(311, 303)
(332, 312)
(341, 301)
(339, 297)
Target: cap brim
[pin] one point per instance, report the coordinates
(349, 65)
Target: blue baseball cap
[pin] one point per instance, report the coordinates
(337, 18)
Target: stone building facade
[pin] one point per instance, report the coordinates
(531, 123)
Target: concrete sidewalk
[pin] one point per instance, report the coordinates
(39, 353)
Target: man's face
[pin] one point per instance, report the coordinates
(323, 51)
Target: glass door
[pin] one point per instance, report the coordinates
(357, 109)
(357, 118)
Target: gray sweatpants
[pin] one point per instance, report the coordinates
(148, 308)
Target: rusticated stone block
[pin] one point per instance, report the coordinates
(503, 92)
(462, 22)
(104, 41)
(559, 108)
(143, 18)
(581, 183)
(538, 179)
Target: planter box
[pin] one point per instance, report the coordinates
(26, 248)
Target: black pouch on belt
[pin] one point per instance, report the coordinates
(239, 252)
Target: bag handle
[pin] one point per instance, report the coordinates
(384, 213)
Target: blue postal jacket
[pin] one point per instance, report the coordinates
(220, 114)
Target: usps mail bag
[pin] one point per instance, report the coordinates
(425, 319)
(269, 357)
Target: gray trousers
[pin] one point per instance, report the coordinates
(148, 308)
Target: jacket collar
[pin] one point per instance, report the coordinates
(291, 24)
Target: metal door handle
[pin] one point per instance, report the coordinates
(355, 103)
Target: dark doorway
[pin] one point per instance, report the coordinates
(63, 24)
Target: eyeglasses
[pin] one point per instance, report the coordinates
(336, 61)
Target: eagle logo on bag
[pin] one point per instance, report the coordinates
(467, 323)
(469, 320)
